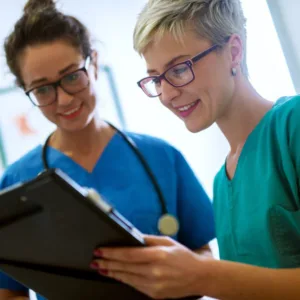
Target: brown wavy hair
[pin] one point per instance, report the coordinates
(42, 23)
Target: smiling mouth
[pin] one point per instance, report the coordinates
(71, 111)
(188, 106)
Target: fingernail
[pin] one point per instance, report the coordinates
(103, 272)
(98, 253)
(94, 266)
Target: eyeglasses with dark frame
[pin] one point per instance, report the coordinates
(72, 83)
(178, 75)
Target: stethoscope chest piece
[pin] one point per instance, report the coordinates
(168, 225)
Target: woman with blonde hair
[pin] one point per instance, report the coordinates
(195, 51)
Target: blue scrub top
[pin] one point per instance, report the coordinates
(121, 179)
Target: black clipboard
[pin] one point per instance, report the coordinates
(49, 228)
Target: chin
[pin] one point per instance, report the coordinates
(196, 126)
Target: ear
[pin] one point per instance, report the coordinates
(236, 50)
(94, 58)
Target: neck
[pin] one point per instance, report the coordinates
(96, 134)
(245, 111)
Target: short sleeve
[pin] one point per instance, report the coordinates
(195, 210)
(7, 282)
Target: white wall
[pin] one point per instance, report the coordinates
(290, 11)
(112, 22)
(285, 15)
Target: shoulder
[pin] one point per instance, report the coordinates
(287, 102)
(148, 140)
(151, 143)
(285, 116)
(286, 107)
(157, 150)
(25, 168)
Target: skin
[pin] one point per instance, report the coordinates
(166, 269)
(83, 138)
(37, 69)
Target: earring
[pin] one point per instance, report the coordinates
(233, 71)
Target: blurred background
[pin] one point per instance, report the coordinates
(273, 61)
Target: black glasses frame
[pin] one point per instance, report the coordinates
(58, 84)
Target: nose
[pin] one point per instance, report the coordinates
(168, 93)
(63, 98)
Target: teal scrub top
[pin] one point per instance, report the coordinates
(121, 179)
(257, 213)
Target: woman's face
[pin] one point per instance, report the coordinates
(205, 100)
(45, 64)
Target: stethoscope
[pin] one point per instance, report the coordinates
(167, 224)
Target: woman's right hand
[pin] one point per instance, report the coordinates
(164, 269)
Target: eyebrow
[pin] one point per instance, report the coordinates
(170, 63)
(61, 72)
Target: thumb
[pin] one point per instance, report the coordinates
(152, 240)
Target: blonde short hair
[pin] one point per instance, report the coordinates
(213, 20)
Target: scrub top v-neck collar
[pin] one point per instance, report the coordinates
(58, 158)
(242, 157)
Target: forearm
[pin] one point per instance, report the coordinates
(233, 281)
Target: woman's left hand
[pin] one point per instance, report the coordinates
(163, 269)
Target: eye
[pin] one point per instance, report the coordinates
(43, 90)
(72, 78)
(180, 69)
(156, 81)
